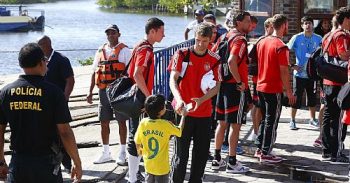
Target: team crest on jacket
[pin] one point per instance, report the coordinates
(206, 66)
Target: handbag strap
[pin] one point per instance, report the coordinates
(137, 48)
(330, 36)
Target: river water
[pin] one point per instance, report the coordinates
(78, 25)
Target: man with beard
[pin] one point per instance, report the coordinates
(273, 76)
(231, 99)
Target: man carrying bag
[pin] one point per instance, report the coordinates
(136, 87)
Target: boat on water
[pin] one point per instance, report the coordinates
(19, 18)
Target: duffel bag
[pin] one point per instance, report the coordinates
(332, 68)
(125, 97)
(312, 63)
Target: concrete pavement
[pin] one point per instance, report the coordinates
(302, 162)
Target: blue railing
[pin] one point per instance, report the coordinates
(162, 59)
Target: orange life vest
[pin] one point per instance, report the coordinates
(109, 68)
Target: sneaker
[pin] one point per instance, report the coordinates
(224, 149)
(237, 168)
(140, 177)
(317, 143)
(270, 159)
(326, 157)
(314, 123)
(105, 157)
(257, 153)
(292, 125)
(121, 160)
(342, 159)
(239, 150)
(216, 165)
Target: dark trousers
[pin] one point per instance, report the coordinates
(331, 126)
(197, 129)
(271, 110)
(133, 124)
(32, 169)
(66, 161)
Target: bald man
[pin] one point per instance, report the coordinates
(60, 73)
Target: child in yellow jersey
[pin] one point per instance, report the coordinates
(152, 139)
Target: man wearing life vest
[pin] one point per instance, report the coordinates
(110, 61)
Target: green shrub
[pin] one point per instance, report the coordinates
(87, 61)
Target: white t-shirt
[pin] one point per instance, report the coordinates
(193, 26)
(124, 56)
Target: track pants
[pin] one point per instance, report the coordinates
(331, 126)
(271, 111)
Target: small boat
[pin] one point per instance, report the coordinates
(18, 18)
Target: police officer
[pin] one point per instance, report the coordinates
(38, 116)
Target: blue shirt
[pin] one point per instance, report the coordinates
(303, 47)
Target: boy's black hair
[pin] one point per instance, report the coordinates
(154, 104)
(153, 23)
(307, 19)
(30, 55)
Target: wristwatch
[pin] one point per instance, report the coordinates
(239, 83)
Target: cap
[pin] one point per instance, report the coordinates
(199, 12)
(112, 27)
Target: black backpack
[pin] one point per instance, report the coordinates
(253, 59)
(224, 52)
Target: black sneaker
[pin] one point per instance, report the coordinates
(326, 157)
(140, 177)
(342, 159)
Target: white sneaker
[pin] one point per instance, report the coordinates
(121, 160)
(237, 168)
(105, 157)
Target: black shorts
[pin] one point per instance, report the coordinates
(231, 104)
(310, 86)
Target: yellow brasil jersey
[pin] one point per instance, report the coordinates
(154, 136)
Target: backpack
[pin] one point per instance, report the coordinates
(253, 59)
(322, 66)
(224, 52)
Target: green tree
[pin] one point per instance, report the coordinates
(111, 3)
